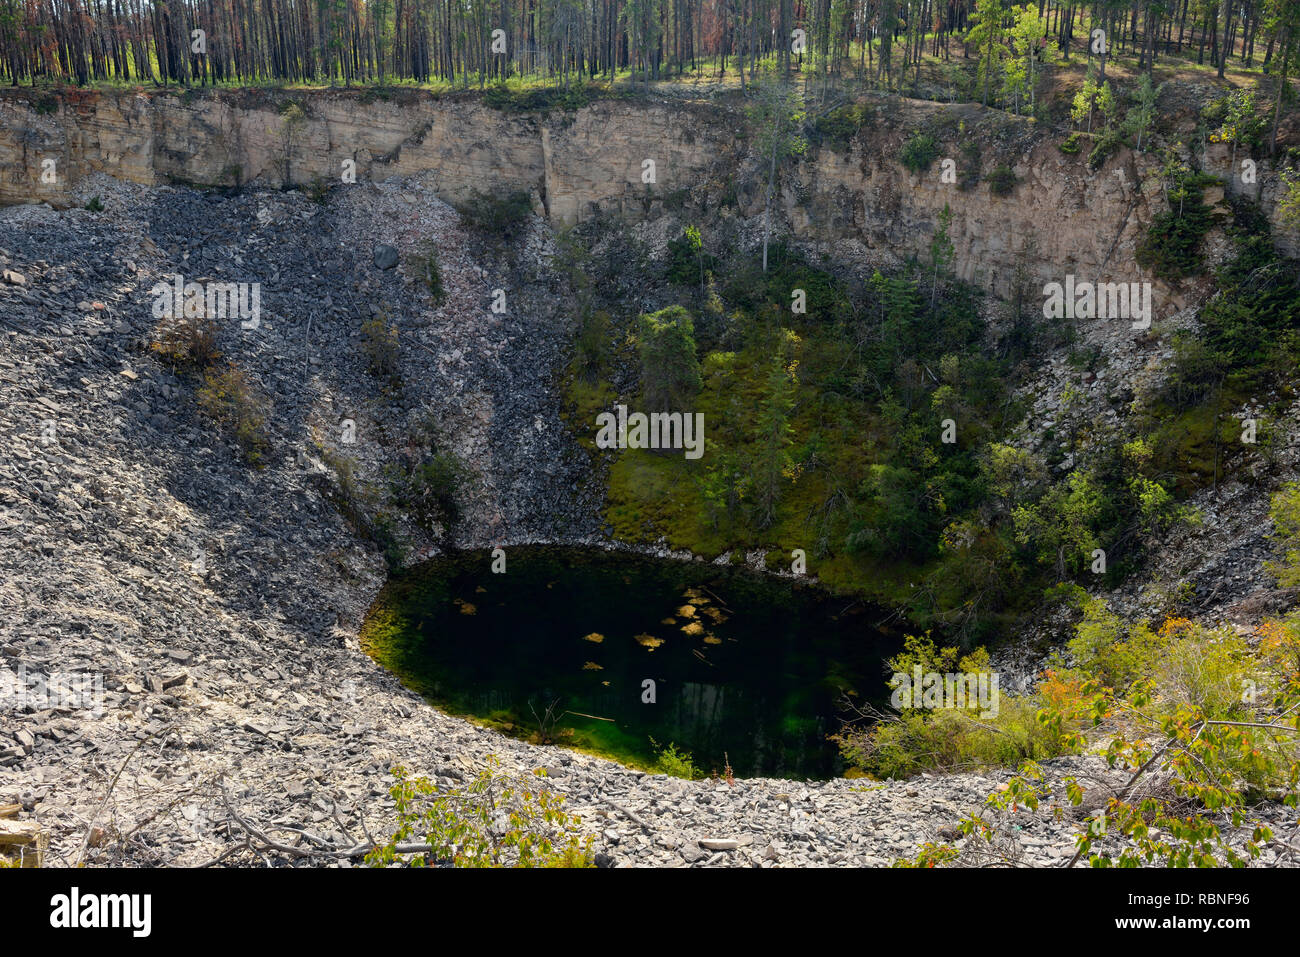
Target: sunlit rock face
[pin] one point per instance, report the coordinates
(634, 159)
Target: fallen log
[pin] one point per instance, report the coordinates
(24, 838)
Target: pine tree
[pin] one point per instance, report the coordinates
(987, 34)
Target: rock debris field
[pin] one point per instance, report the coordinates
(241, 722)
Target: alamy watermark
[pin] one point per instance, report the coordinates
(211, 300)
(934, 690)
(76, 910)
(658, 430)
(35, 691)
(1107, 300)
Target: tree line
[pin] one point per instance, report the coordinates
(476, 42)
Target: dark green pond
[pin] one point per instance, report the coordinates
(745, 668)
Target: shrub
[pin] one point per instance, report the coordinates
(1289, 203)
(1237, 118)
(1279, 644)
(1071, 145)
(431, 491)
(357, 503)
(95, 205)
(838, 127)
(827, 298)
(918, 739)
(503, 217)
(426, 270)
(229, 399)
(1107, 649)
(1107, 145)
(688, 263)
(497, 820)
(537, 99)
(676, 763)
(1198, 747)
(318, 191)
(1285, 512)
(1202, 669)
(187, 343)
(1002, 181)
(593, 327)
(1247, 324)
(382, 530)
(670, 371)
(947, 740)
(346, 493)
(1172, 246)
(1194, 373)
(970, 167)
(919, 152)
(381, 347)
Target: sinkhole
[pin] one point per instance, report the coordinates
(622, 655)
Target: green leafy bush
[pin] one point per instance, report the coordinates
(1285, 513)
(670, 371)
(497, 820)
(1204, 732)
(426, 270)
(1245, 350)
(541, 99)
(1107, 145)
(1172, 246)
(950, 741)
(837, 127)
(971, 161)
(919, 152)
(688, 263)
(827, 299)
(947, 739)
(431, 491)
(228, 398)
(1002, 181)
(1109, 650)
(1239, 118)
(676, 763)
(1247, 322)
(593, 329)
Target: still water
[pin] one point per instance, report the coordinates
(624, 654)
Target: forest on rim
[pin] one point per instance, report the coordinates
(424, 41)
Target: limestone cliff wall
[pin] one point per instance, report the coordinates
(1061, 216)
(573, 164)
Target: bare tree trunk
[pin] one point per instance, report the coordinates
(1284, 48)
(1227, 30)
(771, 185)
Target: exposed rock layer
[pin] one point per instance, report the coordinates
(1060, 218)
